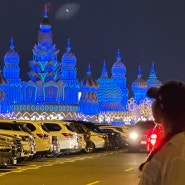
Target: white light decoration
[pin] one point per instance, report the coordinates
(141, 111)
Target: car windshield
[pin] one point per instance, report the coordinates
(24, 128)
(91, 127)
(10, 126)
(69, 127)
(52, 126)
(44, 128)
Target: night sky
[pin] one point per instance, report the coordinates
(143, 30)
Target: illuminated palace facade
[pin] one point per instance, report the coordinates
(53, 88)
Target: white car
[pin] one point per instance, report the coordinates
(93, 140)
(84, 136)
(69, 141)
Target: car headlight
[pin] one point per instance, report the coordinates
(133, 135)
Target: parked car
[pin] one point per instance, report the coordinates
(28, 141)
(5, 153)
(113, 138)
(69, 141)
(17, 147)
(93, 140)
(137, 139)
(120, 130)
(45, 143)
(32, 141)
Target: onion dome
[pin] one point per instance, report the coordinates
(139, 83)
(88, 81)
(118, 67)
(11, 57)
(152, 80)
(68, 58)
(2, 79)
(45, 25)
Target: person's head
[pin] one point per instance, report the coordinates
(168, 109)
(169, 104)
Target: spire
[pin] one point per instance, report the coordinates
(104, 70)
(153, 69)
(68, 45)
(118, 55)
(45, 24)
(45, 11)
(139, 72)
(152, 80)
(89, 69)
(12, 43)
(45, 36)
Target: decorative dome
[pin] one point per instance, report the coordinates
(68, 58)
(139, 83)
(118, 67)
(11, 56)
(88, 81)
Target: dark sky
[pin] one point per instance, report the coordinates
(143, 30)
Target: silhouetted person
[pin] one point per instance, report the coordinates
(165, 164)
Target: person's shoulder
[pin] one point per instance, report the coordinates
(173, 148)
(178, 139)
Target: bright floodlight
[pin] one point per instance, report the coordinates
(133, 135)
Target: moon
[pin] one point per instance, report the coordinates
(67, 11)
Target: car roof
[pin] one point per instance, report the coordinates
(144, 124)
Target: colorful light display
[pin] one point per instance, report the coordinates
(54, 92)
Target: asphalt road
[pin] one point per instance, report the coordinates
(100, 168)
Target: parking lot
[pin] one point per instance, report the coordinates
(101, 167)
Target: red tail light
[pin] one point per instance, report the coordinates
(68, 135)
(153, 139)
(43, 136)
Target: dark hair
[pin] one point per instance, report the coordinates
(171, 96)
(174, 117)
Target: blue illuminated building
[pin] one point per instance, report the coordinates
(110, 96)
(54, 87)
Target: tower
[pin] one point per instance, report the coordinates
(89, 101)
(46, 70)
(139, 87)
(109, 93)
(68, 76)
(152, 80)
(44, 65)
(119, 77)
(11, 73)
